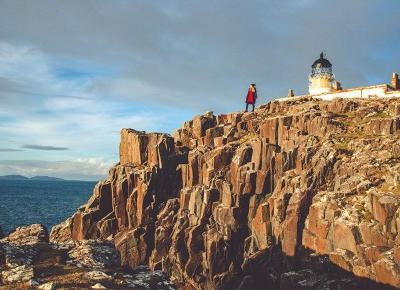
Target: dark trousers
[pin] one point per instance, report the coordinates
(247, 107)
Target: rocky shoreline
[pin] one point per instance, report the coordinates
(300, 194)
(29, 261)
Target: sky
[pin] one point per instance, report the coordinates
(73, 73)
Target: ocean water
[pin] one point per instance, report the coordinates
(24, 202)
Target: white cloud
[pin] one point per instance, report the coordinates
(44, 109)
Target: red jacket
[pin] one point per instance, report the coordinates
(251, 96)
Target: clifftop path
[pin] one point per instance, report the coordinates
(286, 197)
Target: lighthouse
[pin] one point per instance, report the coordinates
(321, 79)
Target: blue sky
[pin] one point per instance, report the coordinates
(73, 73)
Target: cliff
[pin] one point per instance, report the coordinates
(300, 194)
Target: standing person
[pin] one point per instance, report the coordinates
(251, 97)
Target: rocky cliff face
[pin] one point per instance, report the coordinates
(288, 195)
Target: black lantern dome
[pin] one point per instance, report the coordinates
(321, 62)
(321, 66)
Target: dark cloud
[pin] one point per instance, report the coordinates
(44, 148)
(203, 54)
(9, 150)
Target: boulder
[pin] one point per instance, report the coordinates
(21, 247)
(97, 276)
(48, 286)
(28, 235)
(98, 286)
(94, 254)
(20, 274)
(62, 232)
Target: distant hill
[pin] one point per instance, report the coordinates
(13, 177)
(46, 178)
(21, 177)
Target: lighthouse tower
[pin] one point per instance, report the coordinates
(321, 79)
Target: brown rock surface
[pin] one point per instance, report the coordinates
(62, 232)
(138, 148)
(29, 261)
(215, 203)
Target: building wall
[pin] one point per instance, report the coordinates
(320, 85)
(393, 94)
(373, 92)
(379, 91)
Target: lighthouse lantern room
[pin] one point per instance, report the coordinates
(322, 80)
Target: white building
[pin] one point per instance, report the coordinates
(323, 85)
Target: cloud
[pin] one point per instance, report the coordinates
(68, 113)
(76, 169)
(151, 65)
(45, 148)
(200, 55)
(9, 150)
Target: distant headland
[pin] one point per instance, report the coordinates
(21, 177)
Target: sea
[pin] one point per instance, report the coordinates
(24, 202)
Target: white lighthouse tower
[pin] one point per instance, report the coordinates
(321, 79)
